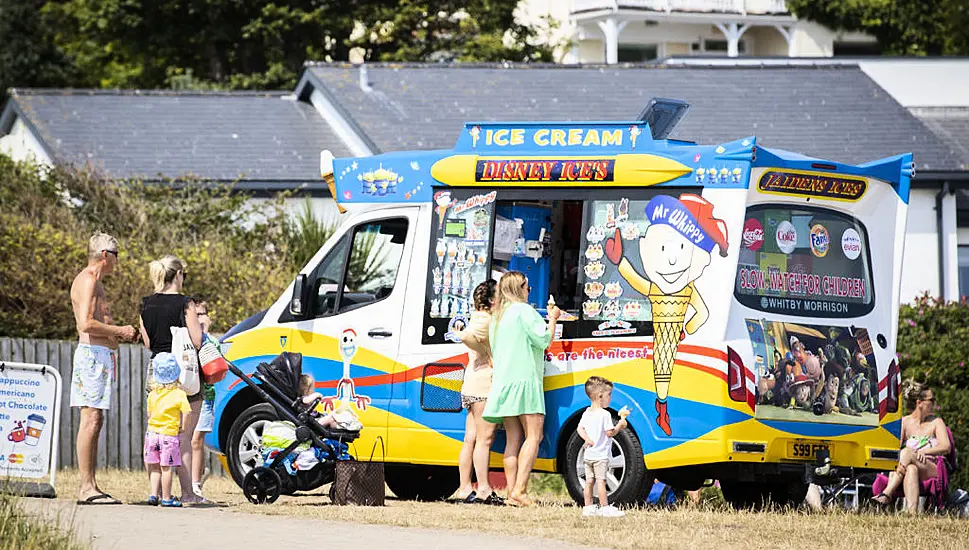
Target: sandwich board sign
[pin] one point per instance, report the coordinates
(30, 405)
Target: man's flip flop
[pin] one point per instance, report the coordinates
(101, 499)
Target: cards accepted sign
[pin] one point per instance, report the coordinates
(29, 423)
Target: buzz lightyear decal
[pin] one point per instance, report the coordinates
(345, 389)
(675, 249)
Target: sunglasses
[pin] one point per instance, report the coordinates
(526, 285)
(929, 400)
(112, 252)
(184, 276)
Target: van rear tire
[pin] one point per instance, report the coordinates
(423, 483)
(634, 481)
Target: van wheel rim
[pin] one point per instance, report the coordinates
(615, 473)
(250, 446)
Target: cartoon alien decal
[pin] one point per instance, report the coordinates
(675, 249)
(345, 390)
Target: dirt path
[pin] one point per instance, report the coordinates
(136, 526)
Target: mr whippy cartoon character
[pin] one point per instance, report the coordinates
(675, 249)
(345, 390)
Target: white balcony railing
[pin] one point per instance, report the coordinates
(743, 7)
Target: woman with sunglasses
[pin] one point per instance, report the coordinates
(926, 440)
(519, 337)
(161, 311)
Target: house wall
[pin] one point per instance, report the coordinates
(21, 144)
(921, 264)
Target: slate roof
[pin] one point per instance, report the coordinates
(951, 124)
(267, 138)
(836, 113)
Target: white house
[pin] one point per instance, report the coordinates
(617, 31)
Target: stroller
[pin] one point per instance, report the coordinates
(297, 438)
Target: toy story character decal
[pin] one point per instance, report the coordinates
(345, 390)
(832, 383)
(675, 249)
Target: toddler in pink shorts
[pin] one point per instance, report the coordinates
(167, 403)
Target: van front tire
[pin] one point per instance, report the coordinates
(241, 439)
(627, 473)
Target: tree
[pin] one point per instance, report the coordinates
(264, 43)
(147, 43)
(451, 30)
(28, 58)
(902, 27)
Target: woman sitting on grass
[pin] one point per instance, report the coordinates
(926, 441)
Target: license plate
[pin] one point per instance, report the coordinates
(805, 450)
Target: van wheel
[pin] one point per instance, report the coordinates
(424, 483)
(627, 481)
(244, 450)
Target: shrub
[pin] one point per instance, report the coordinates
(236, 252)
(933, 347)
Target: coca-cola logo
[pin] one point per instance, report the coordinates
(786, 237)
(753, 236)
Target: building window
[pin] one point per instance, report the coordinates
(964, 270)
(637, 53)
(717, 47)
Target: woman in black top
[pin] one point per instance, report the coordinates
(161, 311)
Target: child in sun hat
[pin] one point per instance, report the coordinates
(167, 403)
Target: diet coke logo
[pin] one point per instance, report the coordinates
(753, 236)
(786, 237)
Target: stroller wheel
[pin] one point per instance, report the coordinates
(262, 486)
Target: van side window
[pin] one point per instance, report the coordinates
(326, 279)
(374, 260)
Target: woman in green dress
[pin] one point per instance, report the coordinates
(519, 338)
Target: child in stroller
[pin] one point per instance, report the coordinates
(299, 453)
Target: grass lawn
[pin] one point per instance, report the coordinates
(710, 524)
(20, 530)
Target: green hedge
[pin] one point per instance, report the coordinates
(933, 347)
(237, 254)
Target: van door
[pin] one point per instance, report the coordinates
(350, 340)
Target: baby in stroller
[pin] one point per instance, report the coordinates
(341, 419)
(299, 450)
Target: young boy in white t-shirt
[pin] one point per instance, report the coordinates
(597, 430)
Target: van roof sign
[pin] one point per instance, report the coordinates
(543, 154)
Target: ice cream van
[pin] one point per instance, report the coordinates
(741, 298)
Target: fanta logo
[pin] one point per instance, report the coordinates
(820, 242)
(753, 236)
(786, 237)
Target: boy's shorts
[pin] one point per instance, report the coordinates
(162, 449)
(91, 376)
(206, 417)
(596, 469)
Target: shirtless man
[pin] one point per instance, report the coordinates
(95, 359)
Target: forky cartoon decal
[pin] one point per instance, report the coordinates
(675, 250)
(345, 390)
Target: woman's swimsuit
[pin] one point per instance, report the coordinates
(919, 442)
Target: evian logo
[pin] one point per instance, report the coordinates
(753, 234)
(786, 237)
(851, 244)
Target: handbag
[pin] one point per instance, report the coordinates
(188, 360)
(360, 483)
(214, 366)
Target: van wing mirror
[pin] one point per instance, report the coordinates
(298, 304)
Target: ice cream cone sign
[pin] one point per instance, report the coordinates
(326, 172)
(442, 201)
(675, 249)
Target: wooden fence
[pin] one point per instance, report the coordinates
(122, 436)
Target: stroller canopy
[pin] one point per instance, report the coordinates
(283, 373)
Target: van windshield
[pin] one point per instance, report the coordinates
(804, 261)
